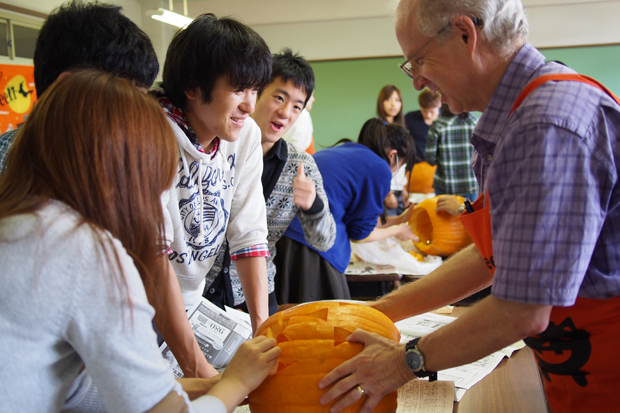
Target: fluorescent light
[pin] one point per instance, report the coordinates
(169, 17)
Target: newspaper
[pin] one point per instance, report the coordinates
(219, 335)
(464, 377)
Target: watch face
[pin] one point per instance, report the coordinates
(413, 360)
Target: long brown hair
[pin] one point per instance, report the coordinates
(96, 143)
(384, 94)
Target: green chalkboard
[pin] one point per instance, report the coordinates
(346, 90)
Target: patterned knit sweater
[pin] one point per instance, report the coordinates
(319, 228)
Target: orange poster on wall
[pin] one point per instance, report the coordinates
(17, 95)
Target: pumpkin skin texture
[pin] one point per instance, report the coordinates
(312, 339)
(440, 233)
(423, 178)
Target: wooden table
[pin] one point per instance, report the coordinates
(515, 386)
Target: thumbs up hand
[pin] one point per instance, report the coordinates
(304, 191)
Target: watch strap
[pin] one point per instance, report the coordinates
(413, 344)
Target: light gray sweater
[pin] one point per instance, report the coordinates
(61, 310)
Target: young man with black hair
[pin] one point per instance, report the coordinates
(95, 35)
(292, 183)
(213, 70)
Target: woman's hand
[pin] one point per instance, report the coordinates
(252, 362)
(405, 233)
(246, 371)
(390, 201)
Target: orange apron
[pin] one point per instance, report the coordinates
(579, 352)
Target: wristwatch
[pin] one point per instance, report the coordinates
(414, 360)
(461, 208)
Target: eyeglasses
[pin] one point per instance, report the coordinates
(408, 67)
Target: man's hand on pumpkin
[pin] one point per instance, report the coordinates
(449, 204)
(379, 369)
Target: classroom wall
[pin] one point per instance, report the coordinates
(346, 90)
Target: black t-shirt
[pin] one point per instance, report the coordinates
(418, 131)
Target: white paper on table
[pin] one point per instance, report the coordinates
(422, 396)
(469, 374)
(423, 324)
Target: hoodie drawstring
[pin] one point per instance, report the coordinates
(201, 237)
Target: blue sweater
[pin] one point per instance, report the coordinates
(356, 182)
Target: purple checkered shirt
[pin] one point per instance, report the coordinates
(551, 170)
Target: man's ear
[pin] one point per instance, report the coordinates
(464, 26)
(192, 94)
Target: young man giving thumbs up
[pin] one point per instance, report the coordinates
(292, 184)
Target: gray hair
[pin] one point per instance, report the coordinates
(504, 24)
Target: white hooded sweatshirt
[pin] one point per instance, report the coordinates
(231, 205)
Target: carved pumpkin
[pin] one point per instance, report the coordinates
(421, 178)
(440, 233)
(312, 339)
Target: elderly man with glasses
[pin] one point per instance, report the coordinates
(545, 227)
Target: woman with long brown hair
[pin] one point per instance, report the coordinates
(80, 242)
(390, 105)
(390, 110)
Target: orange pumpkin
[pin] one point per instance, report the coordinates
(421, 178)
(312, 339)
(440, 233)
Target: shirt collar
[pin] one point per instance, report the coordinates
(278, 150)
(177, 115)
(520, 71)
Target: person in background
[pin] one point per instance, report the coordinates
(74, 317)
(545, 225)
(390, 109)
(95, 35)
(419, 121)
(449, 147)
(390, 105)
(213, 70)
(292, 184)
(420, 179)
(356, 177)
(301, 133)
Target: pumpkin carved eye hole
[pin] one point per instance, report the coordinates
(340, 335)
(322, 314)
(282, 364)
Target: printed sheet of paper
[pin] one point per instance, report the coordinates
(421, 325)
(422, 396)
(417, 396)
(219, 335)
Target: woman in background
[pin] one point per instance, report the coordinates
(390, 109)
(390, 105)
(356, 177)
(80, 246)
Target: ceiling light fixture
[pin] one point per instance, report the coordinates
(170, 17)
